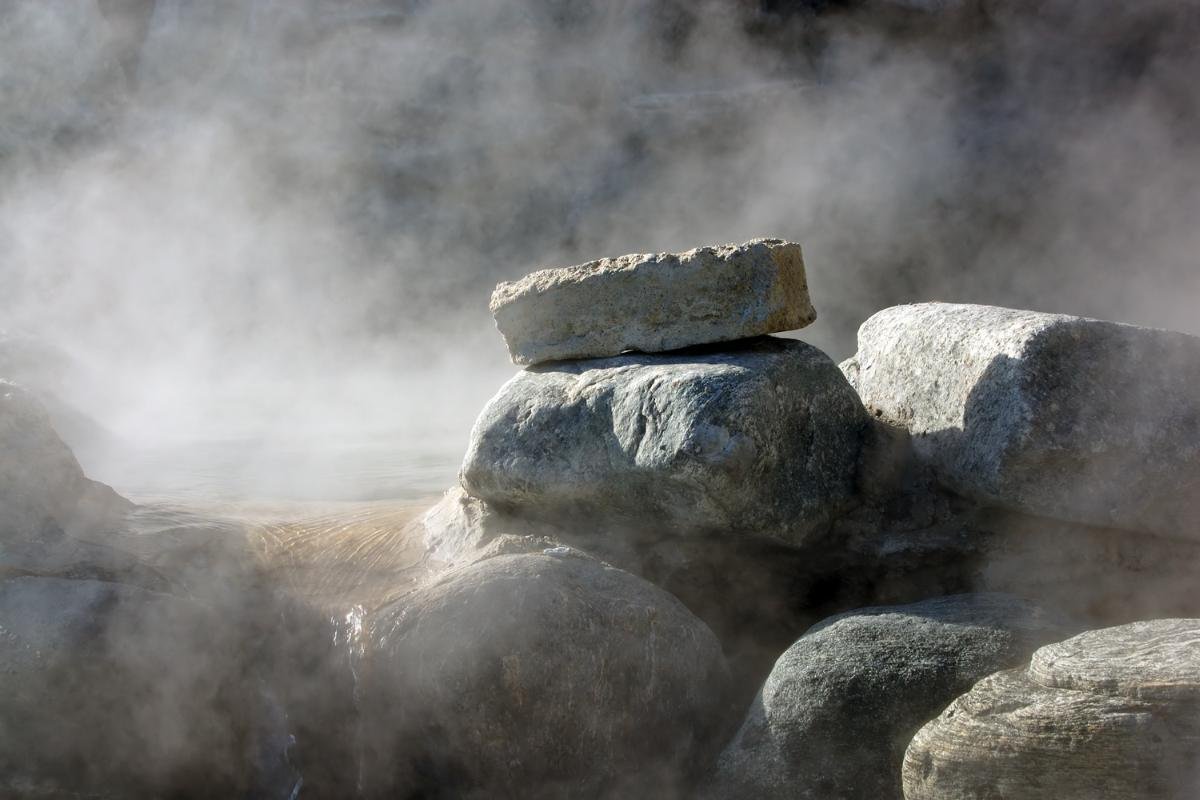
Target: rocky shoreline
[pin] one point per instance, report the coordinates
(960, 565)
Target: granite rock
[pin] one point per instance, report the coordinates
(1065, 417)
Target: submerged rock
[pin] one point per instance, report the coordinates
(1110, 713)
(761, 436)
(1077, 419)
(654, 302)
(42, 486)
(535, 675)
(840, 706)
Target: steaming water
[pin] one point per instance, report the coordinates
(360, 468)
(324, 517)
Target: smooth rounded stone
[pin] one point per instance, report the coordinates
(840, 706)
(111, 690)
(1078, 724)
(1076, 419)
(654, 302)
(1155, 660)
(761, 436)
(535, 675)
(42, 486)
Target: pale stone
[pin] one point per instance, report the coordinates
(654, 302)
(1065, 417)
(1107, 714)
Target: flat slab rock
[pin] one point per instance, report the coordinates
(1078, 724)
(654, 302)
(761, 436)
(840, 706)
(1065, 417)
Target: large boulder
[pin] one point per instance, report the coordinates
(654, 302)
(42, 486)
(543, 674)
(1107, 714)
(761, 436)
(840, 706)
(1077, 419)
(110, 690)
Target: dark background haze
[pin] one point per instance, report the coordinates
(283, 218)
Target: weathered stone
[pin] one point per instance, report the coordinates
(1078, 725)
(41, 484)
(1076, 419)
(1156, 660)
(654, 302)
(546, 674)
(758, 436)
(840, 706)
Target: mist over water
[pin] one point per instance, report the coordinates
(277, 224)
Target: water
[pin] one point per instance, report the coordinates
(383, 467)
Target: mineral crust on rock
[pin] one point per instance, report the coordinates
(761, 436)
(840, 706)
(1065, 417)
(654, 302)
(1110, 713)
(546, 674)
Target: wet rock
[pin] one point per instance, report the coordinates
(1065, 417)
(41, 484)
(654, 302)
(840, 706)
(111, 689)
(535, 675)
(1107, 714)
(761, 436)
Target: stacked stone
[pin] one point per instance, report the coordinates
(653, 398)
(656, 427)
(653, 413)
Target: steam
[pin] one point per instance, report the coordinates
(284, 218)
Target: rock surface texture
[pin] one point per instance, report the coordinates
(1111, 713)
(840, 706)
(42, 487)
(111, 691)
(654, 302)
(547, 674)
(1076, 419)
(761, 436)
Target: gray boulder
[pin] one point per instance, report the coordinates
(111, 690)
(42, 486)
(1107, 714)
(1065, 417)
(654, 302)
(537, 675)
(840, 706)
(761, 436)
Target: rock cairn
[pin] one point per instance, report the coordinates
(685, 559)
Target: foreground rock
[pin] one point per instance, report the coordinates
(655, 302)
(840, 706)
(1108, 714)
(538, 675)
(1065, 417)
(42, 487)
(758, 436)
(110, 689)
